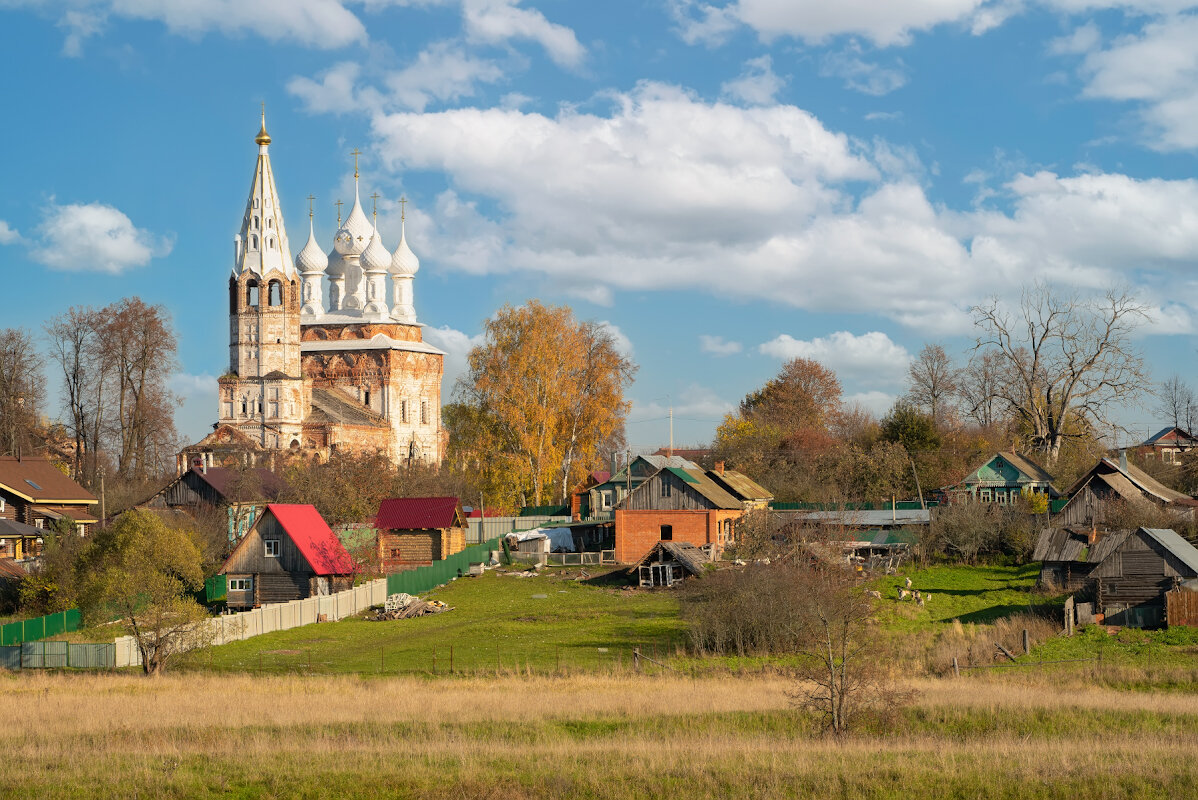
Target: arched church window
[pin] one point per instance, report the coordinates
(276, 293)
(253, 241)
(255, 202)
(251, 294)
(255, 225)
(270, 242)
(270, 222)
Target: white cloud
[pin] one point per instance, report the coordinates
(324, 24)
(717, 346)
(883, 116)
(334, 93)
(875, 402)
(1083, 40)
(441, 72)
(94, 237)
(8, 235)
(621, 341)
(860, 75)
(498, 21)
(703, 23)
(457, 346)
(757, 85)
(1157, 69)
(871, 357)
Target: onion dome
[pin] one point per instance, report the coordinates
(311, 258)
(376, 257)
(404, 261)
(355, 232)
(263, 138)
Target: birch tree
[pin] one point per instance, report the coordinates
(1065, 362)
(932, 380)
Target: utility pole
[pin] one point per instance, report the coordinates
(670, 452)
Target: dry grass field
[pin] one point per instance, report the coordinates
(231, 735)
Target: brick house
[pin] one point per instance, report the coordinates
(675, 504)
(416, 531)
(1169, 445)
(289, 554)
(34, 492)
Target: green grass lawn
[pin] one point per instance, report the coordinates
(980, 594)
(544, 623)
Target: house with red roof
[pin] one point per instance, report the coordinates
(290, 553)
(416, 531)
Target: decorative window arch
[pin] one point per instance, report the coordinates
(251, 294)
(255, 224)
(275, 293)
(253, 241)
(255, 202)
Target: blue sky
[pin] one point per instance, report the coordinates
(727, 185)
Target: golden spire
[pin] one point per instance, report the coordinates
(338, 204)
(263, 137)
(374, 205)
(403, 202)
(356, 153)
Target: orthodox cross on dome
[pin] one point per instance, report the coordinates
(374, 205)
(403, 202)
(355, 154)
(338, 204)
(310, 199)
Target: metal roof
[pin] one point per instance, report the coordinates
(1171, 541)
(865, 519)
(316, 542)
(740, 485)
(11, 529)
(417, 513)
(37, 480)
(708, 488)
(683, 474)
(219, 479)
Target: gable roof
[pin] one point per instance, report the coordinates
(312, 535)
(1128, 483)
(1180, 436)
(740, 485)
(221, 478)
(1171, 541)
(698, 480)
(417, 513)
(1029, 471)
(37, 480)
(690, 557)
(1064, 544)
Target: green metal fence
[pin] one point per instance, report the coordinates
(216, 589)
(57, 655)
(422, 579)
(30, 630)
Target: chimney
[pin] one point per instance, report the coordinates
(719, 467)
(1092, 538)
(1123, 460)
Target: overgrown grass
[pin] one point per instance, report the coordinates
(498, 623)
(104, 736)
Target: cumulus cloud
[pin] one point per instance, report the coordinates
(335, 92)
(457, 346)
(442, 72)
(861, 75)
(620, 339)
(872, 356)
(94, 237)
(757, 85)
(498, 21)
(311, 23)
(8, 235)
(717, 346)
(875, 402)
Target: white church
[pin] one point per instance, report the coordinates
(309, 378)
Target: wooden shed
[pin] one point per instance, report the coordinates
(668, 563)
(289, 554)
(416, 531)
(1111, 480)
(1068, 555)
(1131, 582)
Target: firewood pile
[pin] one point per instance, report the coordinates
(404, 606)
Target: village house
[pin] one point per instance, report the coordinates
(1069, 554)
(1168, 444)
(751, 494)
(37, 494)
(289, 554)
(675, 504)
(1003, 478)
(603, 497)
(416, 531)
(1111, 481)
(241, 492)
(1130, 583)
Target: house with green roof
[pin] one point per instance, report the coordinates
(1003, 478)
(676, 504)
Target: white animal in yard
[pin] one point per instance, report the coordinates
(927, 597)
(903, 594)
(908, 582)
(875, 594)
(919, 599)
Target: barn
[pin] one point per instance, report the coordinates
(1130, 583)
(289, 554)
(416, 531)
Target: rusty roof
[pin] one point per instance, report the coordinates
(417, 513)
(37, 480)
(220, 479)
(740, 485)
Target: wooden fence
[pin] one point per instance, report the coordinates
(1181, 607)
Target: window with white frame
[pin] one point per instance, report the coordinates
(39, 523)
(605, 501)
(272, 547)
(241, 584)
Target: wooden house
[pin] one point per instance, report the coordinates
(752, 494)
(604, 497)
(242, 492)
(18, 541)
(416, 531)
(669, 563)
(35, 492)
(288, 554)
(1068, 555)
(1003, 478)
(1129, 585)
(1168, 444)
(1111, 480)
(679, 505)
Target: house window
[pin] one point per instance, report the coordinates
(665, 488)
(395, 552)
(2, 501)
(605, 501)
(80, 529)
(272, 547)
(39, 523)
(667, 533)
(241, 584)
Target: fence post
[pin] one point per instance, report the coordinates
(451, 659)
(956, 668)
(1026, 645)
(636, 658)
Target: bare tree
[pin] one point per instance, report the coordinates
(1175, 401)
(77, 345)
(21, 390)
(1065, 361)
(978, 388)
(933, 380)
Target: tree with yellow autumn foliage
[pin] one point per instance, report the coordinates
(541, 403)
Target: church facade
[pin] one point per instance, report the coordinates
(307, 377)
